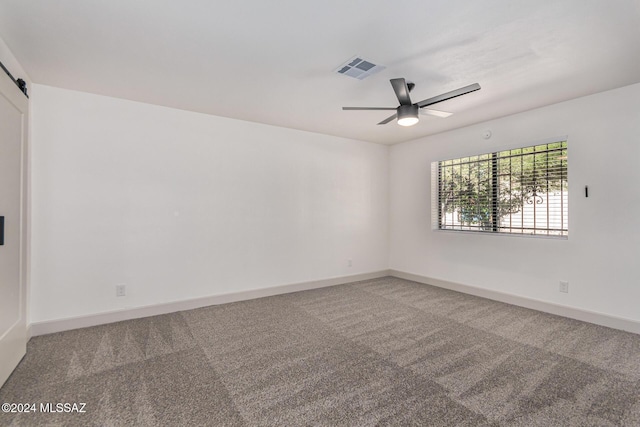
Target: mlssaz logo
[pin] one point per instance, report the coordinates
(63, 407)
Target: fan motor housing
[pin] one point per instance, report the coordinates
(408, 112)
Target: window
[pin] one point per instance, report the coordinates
(520, 191)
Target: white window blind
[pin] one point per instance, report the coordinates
(518, 191)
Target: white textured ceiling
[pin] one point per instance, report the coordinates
(272, 61)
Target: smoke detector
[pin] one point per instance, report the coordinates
(359, 68)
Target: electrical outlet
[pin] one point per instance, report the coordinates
(349, 263)
(564, 286)
(121, 290)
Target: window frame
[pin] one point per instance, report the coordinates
(492, 151)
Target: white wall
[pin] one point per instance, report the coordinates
(601, 257)
(181, 205)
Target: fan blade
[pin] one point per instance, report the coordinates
(401, 90)
(369, 108)
(388, 119)
(437, 113)
(453, 94)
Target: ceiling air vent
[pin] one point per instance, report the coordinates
(359, 68)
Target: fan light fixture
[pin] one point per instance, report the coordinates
(408, 115)
(407, 112)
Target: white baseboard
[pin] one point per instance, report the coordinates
(59, 325)
(607, 320)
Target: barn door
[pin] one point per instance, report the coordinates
(13, 225)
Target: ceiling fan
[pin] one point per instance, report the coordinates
(407, 112)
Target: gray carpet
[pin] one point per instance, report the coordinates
(379, 352)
